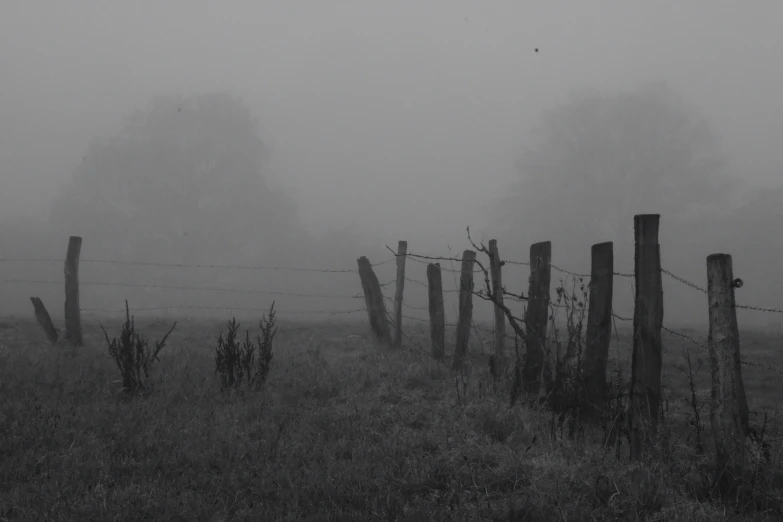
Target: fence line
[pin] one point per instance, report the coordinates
(729, 402)
(206, 307)
(540, 307)
(413, 257)
(186, 265)
(419, 258)
(184, 287)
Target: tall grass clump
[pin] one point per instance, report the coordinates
(236, 361)
(133, 354)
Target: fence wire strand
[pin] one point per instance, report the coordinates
(192, 265)
(184, 287)
(205, 307)
(418, 258)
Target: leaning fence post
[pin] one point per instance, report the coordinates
(373, 298)
(599, 328)
(537, 315)
(465, 308)
(73, 325)
(402, 250)
(437, 315)
(500, 317)
(647, 323)
(44, 319)
(729, 407)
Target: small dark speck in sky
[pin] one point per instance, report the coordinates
(536, 49)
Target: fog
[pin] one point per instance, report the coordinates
(384, 121)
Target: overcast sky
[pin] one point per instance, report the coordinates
(389, 114)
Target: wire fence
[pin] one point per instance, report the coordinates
(416, 312)
(701, 344)
(414, 257)
(415, 305)
(210, 290)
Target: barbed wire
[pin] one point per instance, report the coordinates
(192, 265)
(444, 269)
(383, 262)
(421, 283)
(664, 328)
(407, 338)
(683, 281)
(759, 309)
(763, 366)
(521, 263)
(575, 274)
(475, 327)
(621, 318)
(426, 285)
(419, 319)
(406, 305)
(183, 287)
(685, 336)
(419, 258)
(206, 307)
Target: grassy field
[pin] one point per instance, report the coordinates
(343, 430)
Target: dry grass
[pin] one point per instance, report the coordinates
(341, 431)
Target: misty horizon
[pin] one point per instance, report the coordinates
(381, 121)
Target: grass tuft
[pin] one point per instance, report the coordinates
(133, 354)
(236, 362)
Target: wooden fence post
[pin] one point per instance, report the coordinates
(73, 324)
(437, 315)
(373, 298)
(44, 319)
(465, 308)
(537, 315)
(500, 317)
(402, 250)
(729, 406)
(647, 322)
(599, 328)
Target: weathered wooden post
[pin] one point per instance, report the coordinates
(373, 298)
(647, 322)
(437, 315)
(73, 324)
(465, 308)
(537, 315)
(44, 319)
(729, 406)
(402, 250)
(599, 328)
(500, 317)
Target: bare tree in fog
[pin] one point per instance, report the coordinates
(597, 159)
(181, 182)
